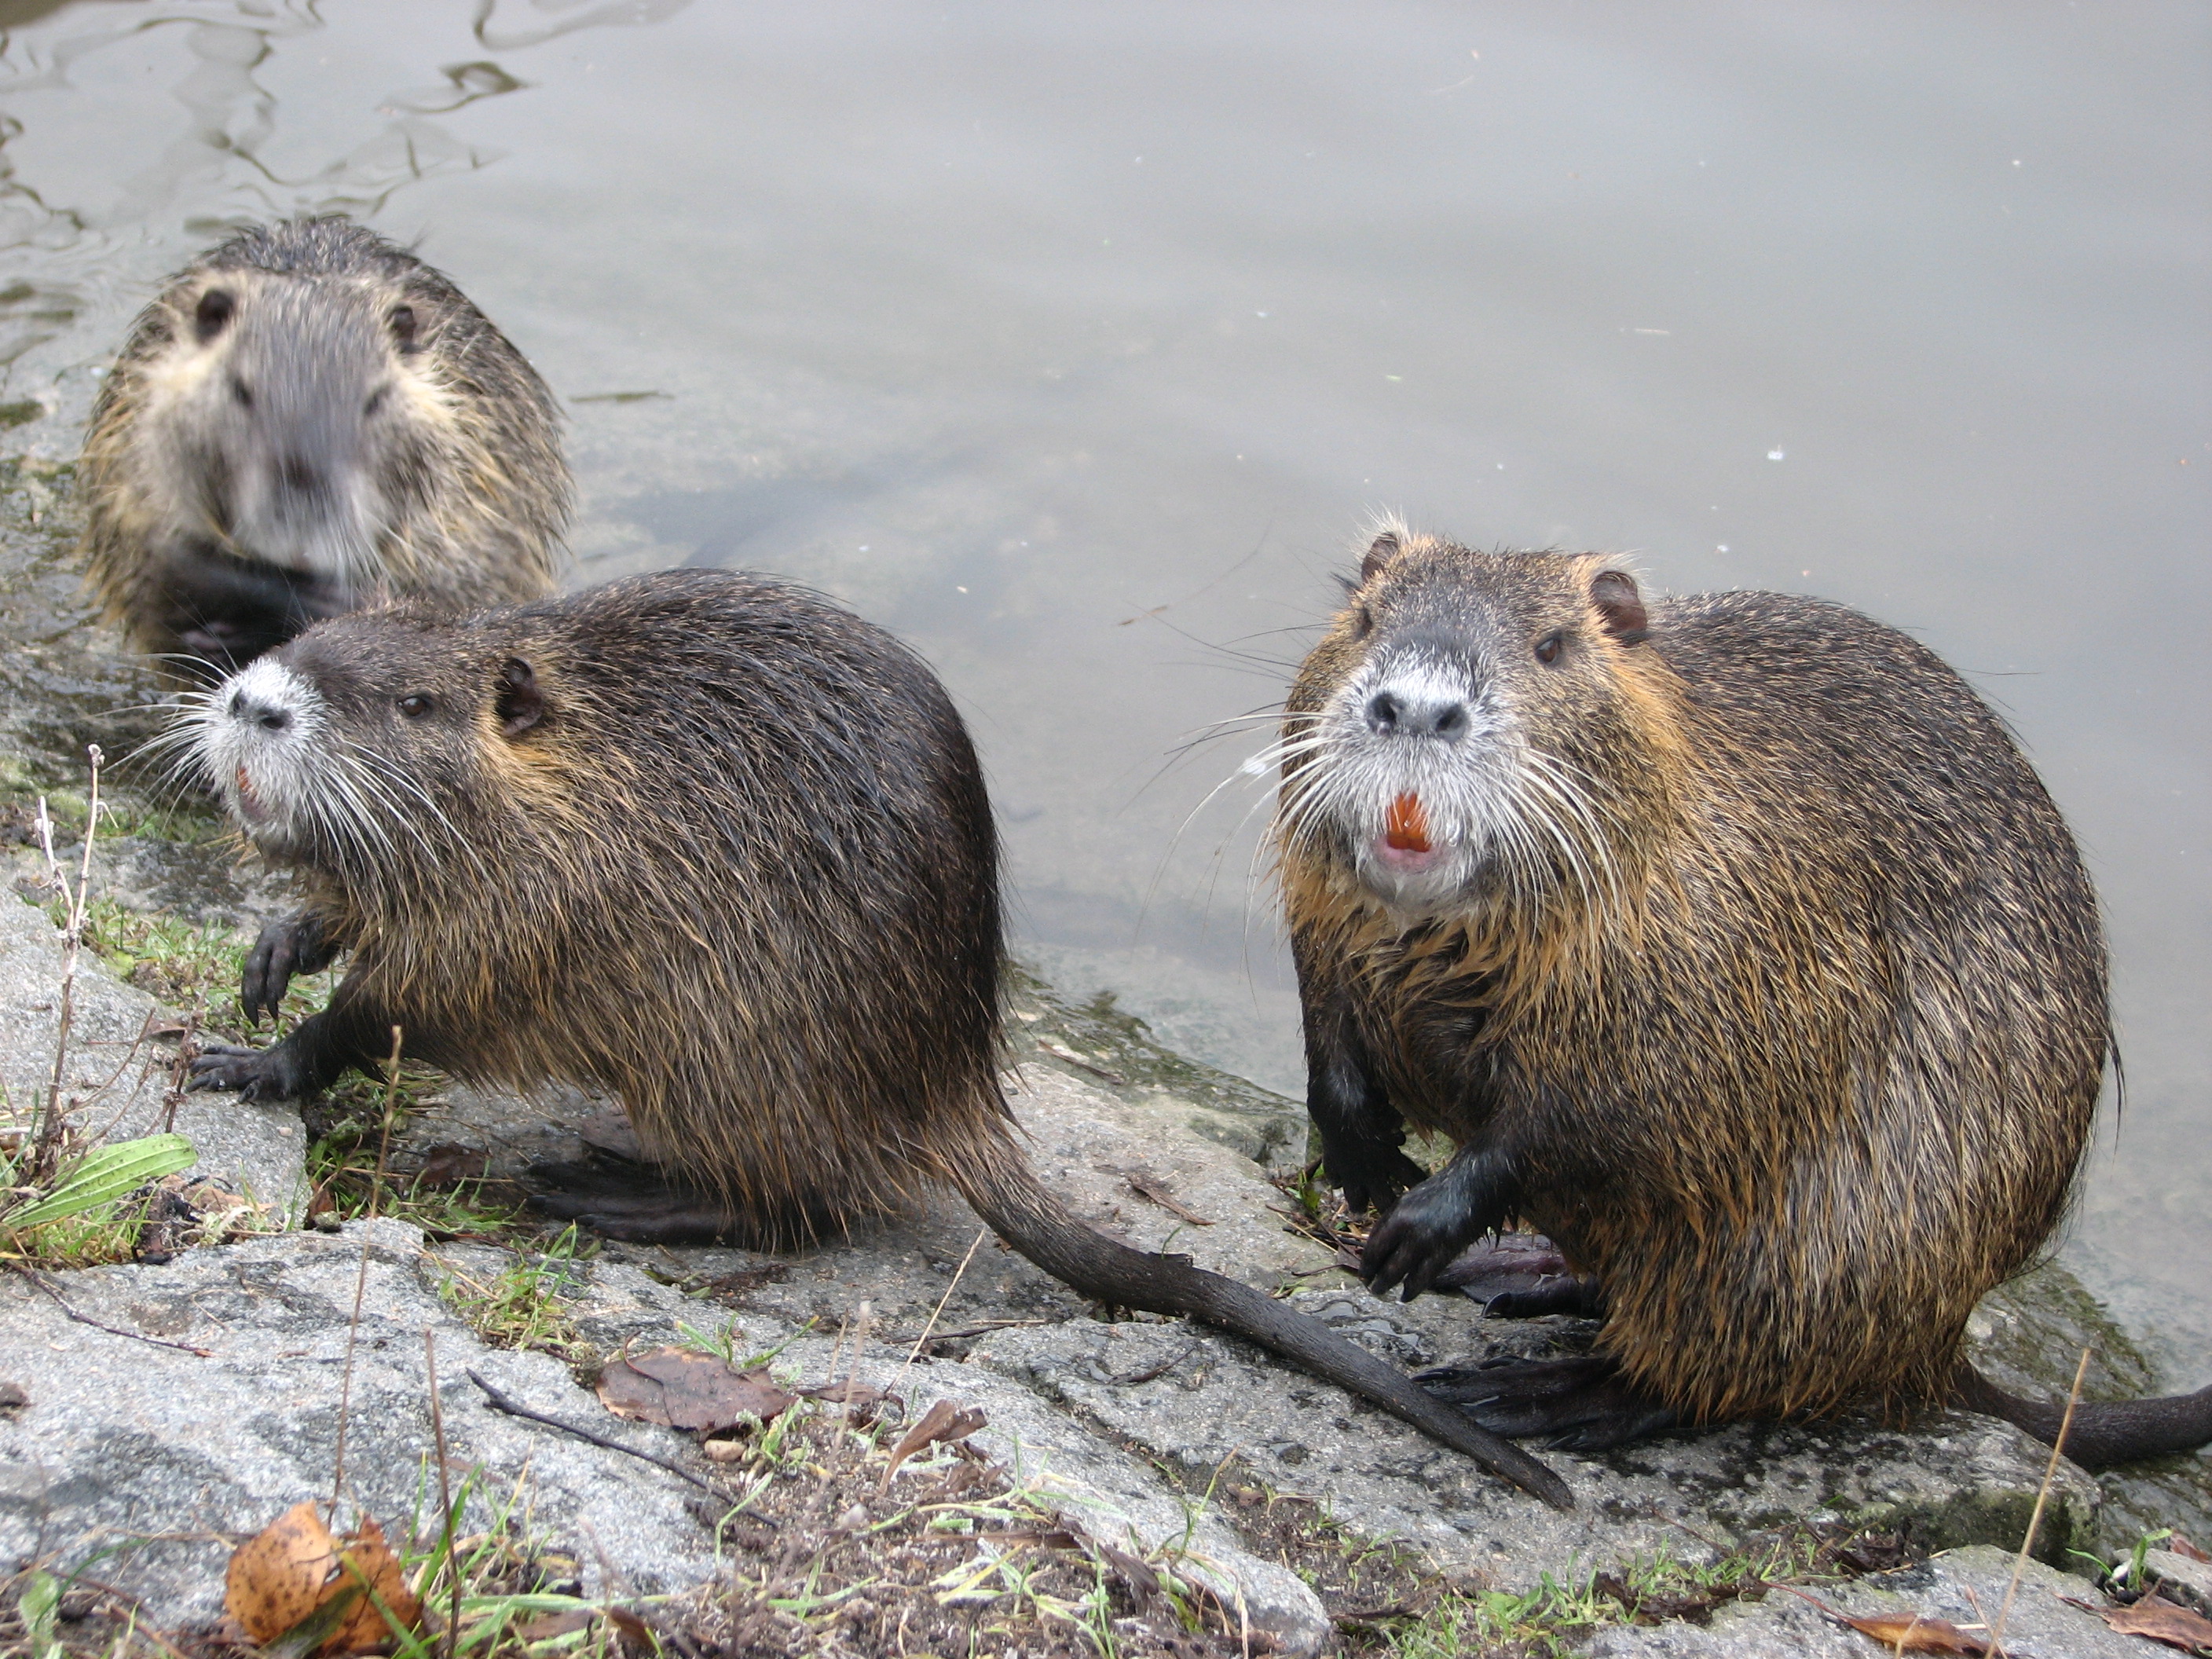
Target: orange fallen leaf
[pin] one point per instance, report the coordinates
(1912, 1632)
(688, 1391)
(294, 1579)
(2158, 1618)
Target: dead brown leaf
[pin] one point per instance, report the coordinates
(448, 1164)
(1912, 1633)
(2182, 1547)
(2158, 1618)
(293, 1580)
(944, 1421)
(689, 1391)
(546, 1626)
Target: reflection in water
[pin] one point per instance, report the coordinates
(1074, 342)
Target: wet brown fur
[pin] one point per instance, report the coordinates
(472, 457)
(727, 856)
(1812, 1072)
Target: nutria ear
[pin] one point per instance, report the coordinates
(403, 326)
(1380, 552)
(1614, 595)
(521, 703)
(212, 313)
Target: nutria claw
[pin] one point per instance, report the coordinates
(297, 945)
(1581, 1401)
(255, 1074)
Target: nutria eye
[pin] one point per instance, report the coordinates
(1548, 648)
(241, 392)
(375, 402)
(415, 707)
(212, 313)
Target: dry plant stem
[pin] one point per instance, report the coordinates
(47, 1134)
(445, 1489)
(384, 1140)
(360, 1285)
(502, 1401)
(345, 1382)
(2043, 1496)
(85, 1319)
(919, 1341)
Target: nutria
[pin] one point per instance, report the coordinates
(713, 845)
(309, 417)
(1741, 953)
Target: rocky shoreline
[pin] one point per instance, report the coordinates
(168, 1408)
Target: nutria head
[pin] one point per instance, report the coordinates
(308, 418)
(297, 416)
(379, 746)
(1475, 726)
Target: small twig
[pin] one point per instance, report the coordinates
(1151, 1372)
(1146, 1188)
(981, 1233)
(135, 1336)
(345, 1382)
(502, 1402)
(445, 1486)
(2042, 1497)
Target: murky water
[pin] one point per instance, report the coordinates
(1075, 342)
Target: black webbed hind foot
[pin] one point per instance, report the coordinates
(1580, 1401)
(1522, 1276)
(618, 1198)
(627, 1199)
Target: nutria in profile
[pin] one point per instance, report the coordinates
(1741, 953)
(716, 847)
(308, 418)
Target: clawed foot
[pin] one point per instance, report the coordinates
(1522, 1276)
(1580, 1401)
(271, 1073)
(618, 1198)
(294, 946)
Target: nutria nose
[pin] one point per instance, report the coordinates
(252, 711)
(1391, 715)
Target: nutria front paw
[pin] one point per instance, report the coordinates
(255, 1074)
(1370, 1176)
(294, 945)
(1420, 1238)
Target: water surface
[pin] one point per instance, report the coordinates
(1075, 344)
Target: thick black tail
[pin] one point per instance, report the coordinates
(1005, 1192)
(2103, 1432)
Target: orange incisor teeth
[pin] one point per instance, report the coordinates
(1406, 829)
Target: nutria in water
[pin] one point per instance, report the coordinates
(307, 418)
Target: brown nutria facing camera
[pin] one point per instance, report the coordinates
(309, 418)
(713, 845)
(1733, 942)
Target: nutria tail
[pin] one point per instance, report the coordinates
(2103, 1432)
(1002, 1189)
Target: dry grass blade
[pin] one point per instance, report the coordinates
(2042, 1497)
